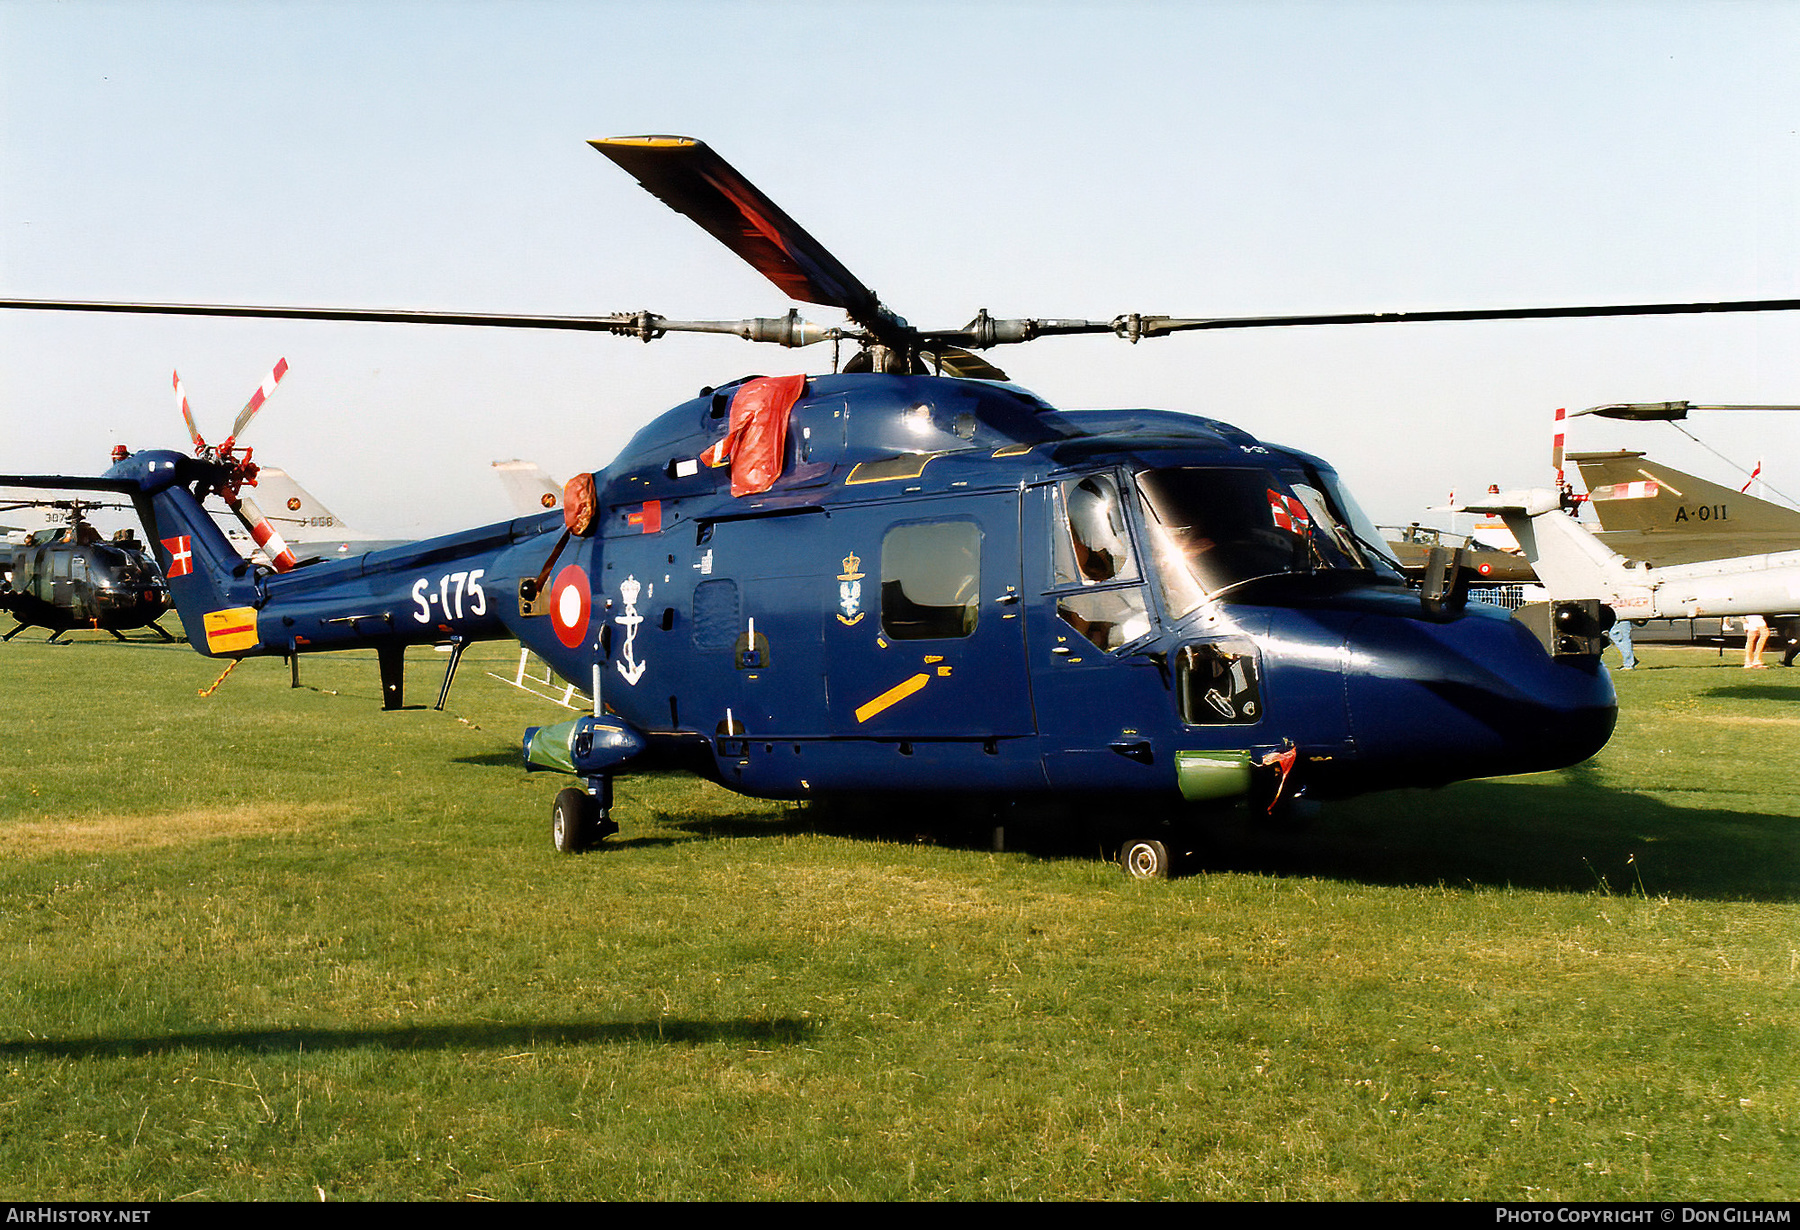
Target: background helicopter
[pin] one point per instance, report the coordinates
(1129, 602)
(66, 577)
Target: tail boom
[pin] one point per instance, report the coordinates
(442, 590)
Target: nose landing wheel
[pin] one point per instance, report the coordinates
(578, 821)
(1145, 858)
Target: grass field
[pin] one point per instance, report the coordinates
(276, 944)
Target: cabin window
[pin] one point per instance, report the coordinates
(931, 580)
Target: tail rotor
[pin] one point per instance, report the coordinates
(239, 471)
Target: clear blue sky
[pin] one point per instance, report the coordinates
(1045, 159)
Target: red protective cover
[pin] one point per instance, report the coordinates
(757, 439)
(578, 505)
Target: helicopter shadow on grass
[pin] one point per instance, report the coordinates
(39, 638)
(1563, 832)
(490, 760)
(1789, 692)
(515, 1036)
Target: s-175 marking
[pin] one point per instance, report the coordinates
(466, 584)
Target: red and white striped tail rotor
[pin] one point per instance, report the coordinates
(187, 416)
(241, 471)
(266, 535)
(256, 400)
(1556, 448)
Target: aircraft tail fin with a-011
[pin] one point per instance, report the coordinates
(1653, 512)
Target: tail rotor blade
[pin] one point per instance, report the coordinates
(187, 416)
(1556, 446)
(256, 400)
(264, 532)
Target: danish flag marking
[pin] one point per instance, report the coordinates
(181, 556)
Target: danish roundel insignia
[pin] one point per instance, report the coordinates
(569, 601)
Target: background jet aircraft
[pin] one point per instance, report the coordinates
(1653, 512)
(311, 530)
(528, 488)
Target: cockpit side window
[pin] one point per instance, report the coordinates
(1094, 547)
(1110, 618)
(1098, 587)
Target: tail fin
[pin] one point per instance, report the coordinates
(304, 520)
(214, 588)
(1671, 517)
(530, 490)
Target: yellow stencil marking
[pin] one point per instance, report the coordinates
(889, 469)
(892, 697)
(231, 630)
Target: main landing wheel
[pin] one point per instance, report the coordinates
(1145, 858)
(572, 820)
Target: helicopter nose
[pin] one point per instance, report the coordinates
(1477, 696)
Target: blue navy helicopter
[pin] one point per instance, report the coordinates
(911, 577)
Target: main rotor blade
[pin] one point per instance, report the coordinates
(688, 177)
(1651, 411)
(787, 330)
(622, 322)
(1134, 326)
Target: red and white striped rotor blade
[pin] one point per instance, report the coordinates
(187, 416)
(266, 535)
(256, 400)
(1556, 446)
